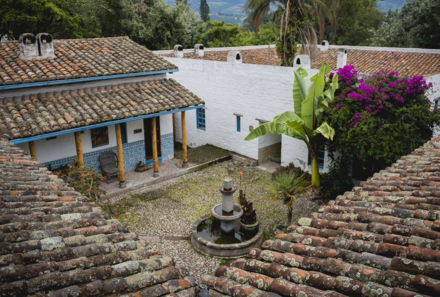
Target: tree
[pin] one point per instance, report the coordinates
(417, 24)
(34, 16)
(158, 25)
(379, 119)
(305, 123)
(219, 34)
(295, 19)
(204, 10)
(352, 22)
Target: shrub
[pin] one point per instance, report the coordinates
(287, 186)
(337, 180)
(380, 118)
(86, 181)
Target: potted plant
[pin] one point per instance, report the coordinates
(248, 220)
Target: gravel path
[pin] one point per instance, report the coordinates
(171, 208)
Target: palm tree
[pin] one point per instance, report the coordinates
(295, 24)
(287, 186)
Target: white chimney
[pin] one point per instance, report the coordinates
(342, 58)
(45, 45)
(199, 50)
(324, 46)
(28, 46)
(302, 61)
(234, 57)
(178, 51)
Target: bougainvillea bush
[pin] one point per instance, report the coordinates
(381, 117)
(86, 181)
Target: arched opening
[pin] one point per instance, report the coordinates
(180, 48)
(298, 61)
(238, 57)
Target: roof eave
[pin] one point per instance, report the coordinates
(82, 80)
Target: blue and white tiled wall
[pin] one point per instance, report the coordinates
(133, 153)
(167, 146)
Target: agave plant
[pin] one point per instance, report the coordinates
(305, 122)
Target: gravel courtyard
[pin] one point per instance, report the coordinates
(169, 210)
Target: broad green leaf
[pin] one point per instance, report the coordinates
(308, 106)
(275, 128)
(326, 131)
(299, 89)
(288, 116)
(325, 69)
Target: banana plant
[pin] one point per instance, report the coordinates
(305, 122)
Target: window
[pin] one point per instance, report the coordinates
(437, 104)
(50, 138)
(238, 124)
(124, 132)
(201, 124)
(321, 157)
(99, 136)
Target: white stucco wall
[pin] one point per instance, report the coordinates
(268, 139)
(257, 92)
(64, 145)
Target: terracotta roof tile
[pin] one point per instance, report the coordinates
(51, 246)
(79, 58)
(29, 115)
(381, 239)
(365, 61)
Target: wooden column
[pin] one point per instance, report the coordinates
(79, 149)
(32, 150)
(184, 146)
(154, 137)
(122, 183)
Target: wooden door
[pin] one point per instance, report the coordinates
(148, 139)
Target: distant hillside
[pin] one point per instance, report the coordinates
(231, 11)
(390, 4)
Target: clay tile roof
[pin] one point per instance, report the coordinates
(30, 115)
(365, 61)
(381, 239)
(79, 58)
(53, 242)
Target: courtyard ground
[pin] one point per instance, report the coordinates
(166, 212)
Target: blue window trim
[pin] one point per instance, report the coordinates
(319, 159)
(201, 119)
(151, 115)
(238, 124)
(102, 144)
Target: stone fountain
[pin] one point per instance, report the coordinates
(220, 234)
(227, 212)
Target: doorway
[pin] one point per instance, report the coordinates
(148, 138)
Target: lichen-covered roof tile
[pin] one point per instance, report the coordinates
(368, 242)
(60, 244)
(79, 58)
(81, 107)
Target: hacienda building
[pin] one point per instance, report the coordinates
(80, 98)
(244, 87)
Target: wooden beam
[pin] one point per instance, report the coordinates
(33, 150)
(122, 183)
(184, 146)
(154, 137)
(79, 150)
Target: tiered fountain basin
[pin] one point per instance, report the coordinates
(220, 234)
